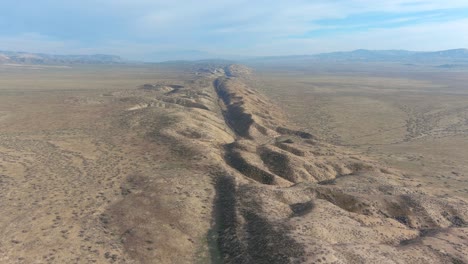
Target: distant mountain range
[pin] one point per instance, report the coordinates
(446, 58)
(362, 55)
(12, 57)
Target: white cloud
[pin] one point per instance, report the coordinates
(426, 37)
(237, 27)
(264, 19)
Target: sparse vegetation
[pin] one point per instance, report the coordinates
(199, 166)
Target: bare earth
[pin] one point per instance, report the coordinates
(192, 164)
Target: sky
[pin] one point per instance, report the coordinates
(155, 30)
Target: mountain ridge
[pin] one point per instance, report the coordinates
(365, 55)
(42, 58)
(450, 56)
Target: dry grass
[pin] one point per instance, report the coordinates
(412, 119)
(66, 167)
(96, 167)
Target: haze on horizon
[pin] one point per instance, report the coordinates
(160, 30)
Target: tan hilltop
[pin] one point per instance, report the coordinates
(200, 167)
(284, 196)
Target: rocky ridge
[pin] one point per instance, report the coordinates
(285, 196)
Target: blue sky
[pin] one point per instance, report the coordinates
(155, 30)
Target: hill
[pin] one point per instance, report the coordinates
(146, 164)
(363, 55)
(40, 58)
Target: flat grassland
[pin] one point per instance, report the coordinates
(68, 158)
(414, 118)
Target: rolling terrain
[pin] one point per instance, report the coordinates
(193, 164)
(413, 119)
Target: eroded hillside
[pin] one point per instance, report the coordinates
(284, 196)
(207, 169)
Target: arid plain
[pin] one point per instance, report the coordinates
(413, 118)
(214, 163)
(68, 154)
